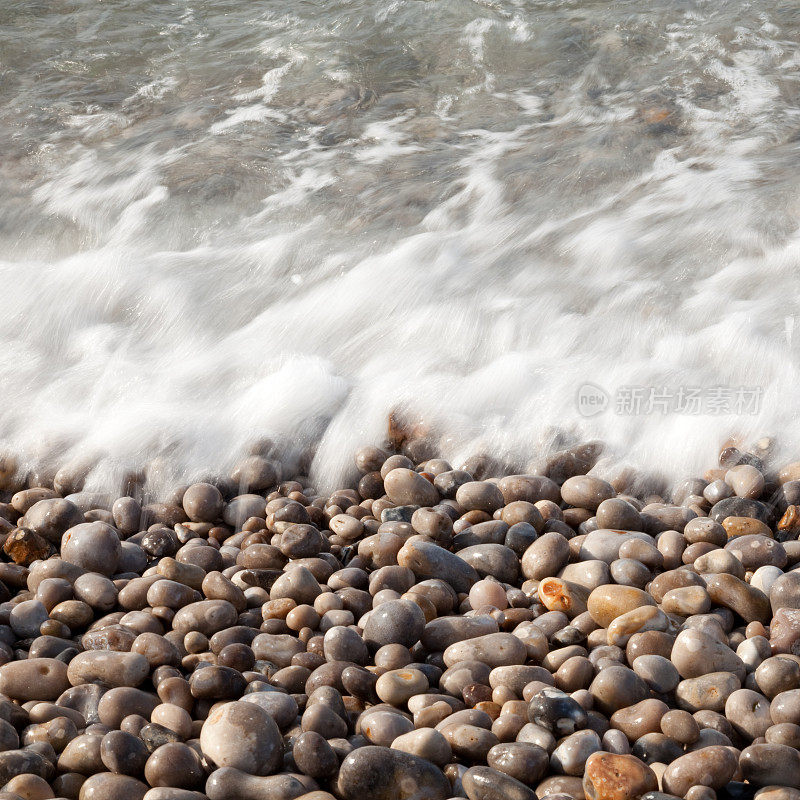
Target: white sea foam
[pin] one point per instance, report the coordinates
(366, 212)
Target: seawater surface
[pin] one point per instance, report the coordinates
(223, 220)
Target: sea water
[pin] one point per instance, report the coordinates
(521, 222)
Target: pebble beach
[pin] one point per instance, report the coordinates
(399, 400)
(428, 633)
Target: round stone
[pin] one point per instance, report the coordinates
(711, 766)
(585, 491)
(479, 496)
(242, 736)
(94, 546)
(51, 517)
(394, 622)
(202, 502)
(404, 487)
(426, 743)
(617, 777)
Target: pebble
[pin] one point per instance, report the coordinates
(745, 480)
(431, 633)
(696, 653)
(749, 713)
(394, 622)
(556, 711)
(756, 550)
(605, 545)
(427, 560)
(777, 793)
(397, 686)
(203, 502)
(569, 757)
(93, 546)
(380, 773)
(680, 726)
(380, 727)
(479, 496)
(123, 753)
(229, 782)
(657, 672)
(608, 602)
(406, 487)
(784, 631)
(242, 736)
(775, 675)
(109, 668)
(617, 777)
(469, 742)
(645, 618)
(426, 743)
(618, 514)
(640, 719)
(584, 491)
(494, 560)
(523, 761)
(314, 756)
(51, 517)
(545, 557)
(485, 783)
(617, 687)
(768, 764)
(492, 649)
(176, 765)
(712, 766)
(34, 679)
(739, 507)
(110, 786)
(686, 601)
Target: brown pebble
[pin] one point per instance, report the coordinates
(617, 777)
